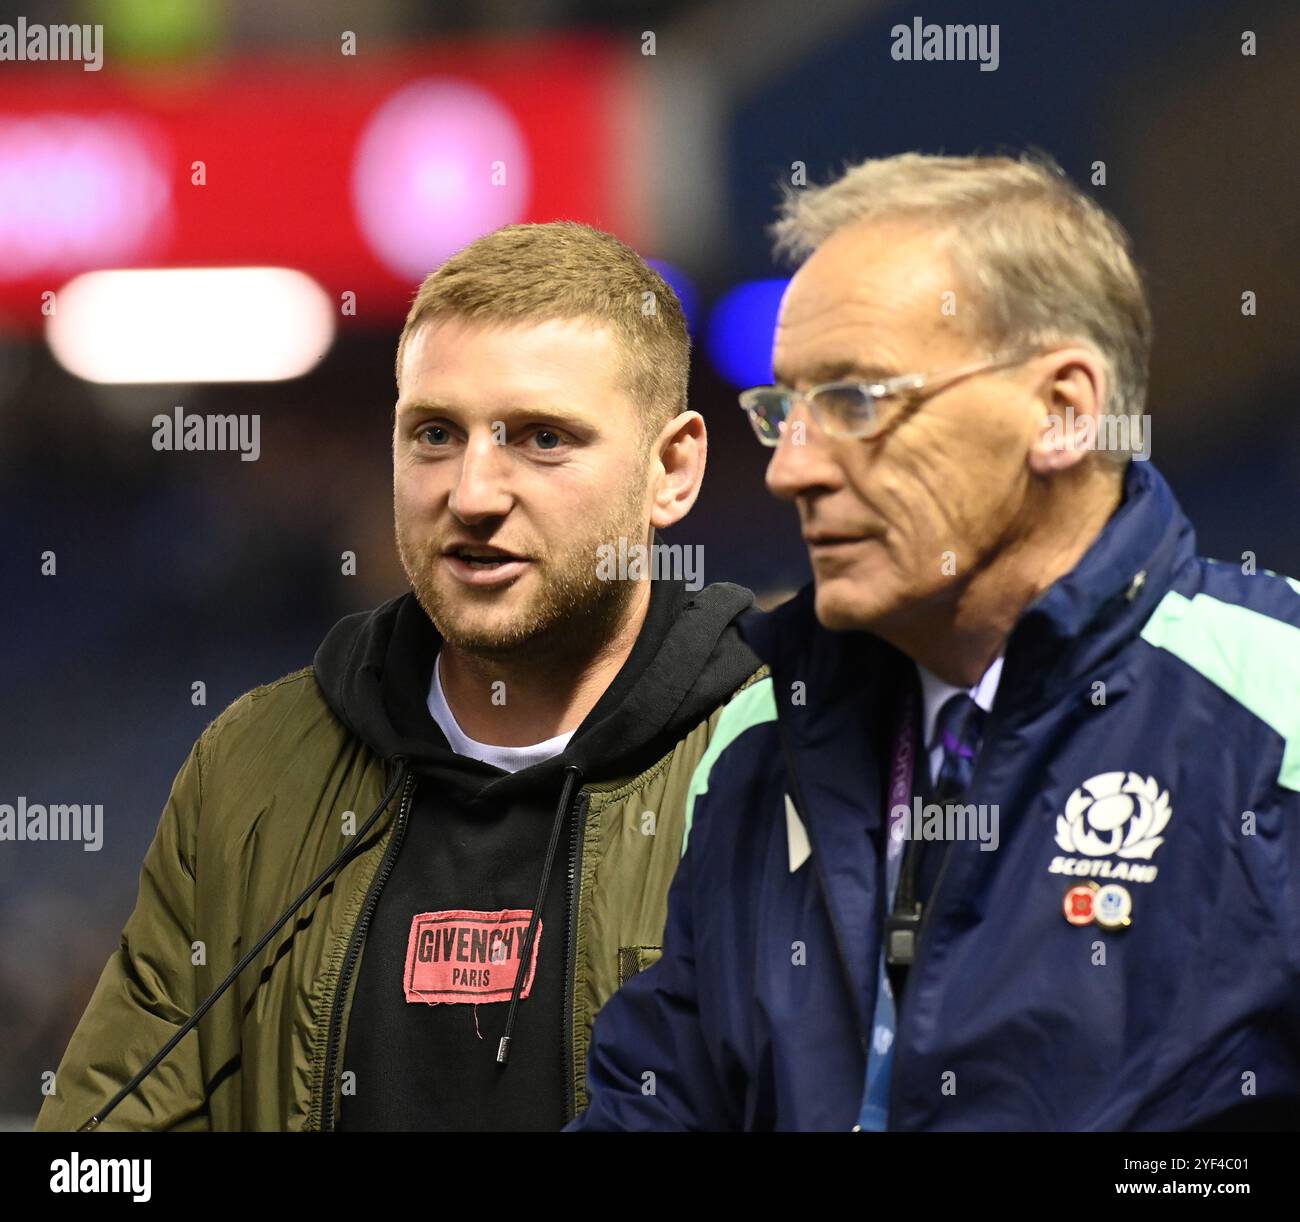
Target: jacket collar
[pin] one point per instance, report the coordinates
(828, 688)
(1099, 606)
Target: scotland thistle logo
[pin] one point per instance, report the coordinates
(1114, 814)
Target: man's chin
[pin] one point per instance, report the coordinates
(846, 605)
(525, 617)
(469, 621)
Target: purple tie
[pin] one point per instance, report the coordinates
(959, 725)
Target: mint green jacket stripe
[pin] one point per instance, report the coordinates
(1252, 657)
(752, 707)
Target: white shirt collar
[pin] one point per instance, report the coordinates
(508, 759)
(935, 693)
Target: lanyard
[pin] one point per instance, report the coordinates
(902, 769)
(898, 940)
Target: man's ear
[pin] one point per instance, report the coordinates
(1071, 390)
(680, 452)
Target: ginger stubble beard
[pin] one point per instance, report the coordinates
(572, 614)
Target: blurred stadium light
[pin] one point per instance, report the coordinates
(230, 324)
(441, 163)
(78, 190)
(685, 289)
(741, 327)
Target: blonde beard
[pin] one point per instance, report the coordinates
(573, 607)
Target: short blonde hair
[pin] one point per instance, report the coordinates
(1045, 264)
(564, 270)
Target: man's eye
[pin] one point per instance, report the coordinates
(546, 439)
(435, 434)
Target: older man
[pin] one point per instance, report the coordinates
(1009, 839)
(523, 725)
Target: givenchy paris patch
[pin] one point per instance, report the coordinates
(459, 955)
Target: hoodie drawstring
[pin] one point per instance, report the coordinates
(341, 860)
(572, 778)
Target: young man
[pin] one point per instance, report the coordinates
(524, 725)
(1009, 839)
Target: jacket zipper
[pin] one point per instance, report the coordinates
(354, 950)
(927, 919)
(571, 895)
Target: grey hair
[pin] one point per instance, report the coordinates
(1044, 262)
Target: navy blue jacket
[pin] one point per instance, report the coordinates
(1159, 687)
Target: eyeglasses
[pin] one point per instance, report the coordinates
(853, 408)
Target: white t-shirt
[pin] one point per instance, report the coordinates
(508, 759)
(935, 693)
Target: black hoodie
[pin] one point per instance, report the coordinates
(475, 845)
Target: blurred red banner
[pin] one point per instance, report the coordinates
(362, 171)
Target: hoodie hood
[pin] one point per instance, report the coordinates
(375, 667)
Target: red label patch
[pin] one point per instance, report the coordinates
(468, 956)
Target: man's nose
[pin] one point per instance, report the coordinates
(482, 487)
(802, 461)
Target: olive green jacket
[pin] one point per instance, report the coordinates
(282, 784)
(267, 798)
